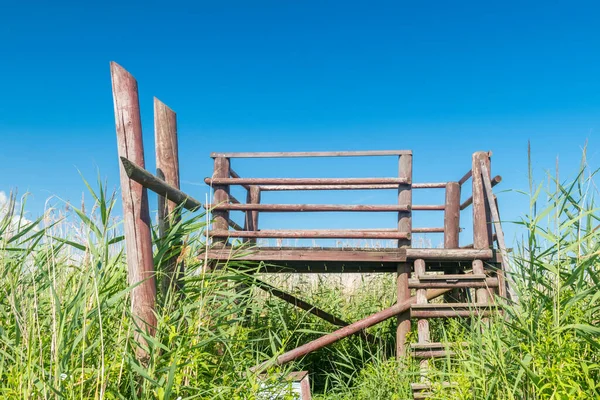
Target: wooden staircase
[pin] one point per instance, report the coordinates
(483, 283)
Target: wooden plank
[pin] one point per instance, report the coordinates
(421, 284)
(390, 255)
(291, 154)
(309, 234)
(251, 217)
(427, 207)
(451, 310)
(307, 207)
(304, 181)
(449, 254)
(405, 166)
(436, 185)
(451, 277)
(422, 325)
(136, 215)
(167, 169)
(158, 186)
(498, 228)
(452, 233)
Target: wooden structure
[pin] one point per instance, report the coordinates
(467, 277)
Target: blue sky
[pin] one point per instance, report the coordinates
(443, 79)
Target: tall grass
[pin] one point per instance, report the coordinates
(66, 329)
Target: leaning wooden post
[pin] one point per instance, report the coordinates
(136, 215)
(404, 225)
(452, 230)
(167, 169)
(482, 233)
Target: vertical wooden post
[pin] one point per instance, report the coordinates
(221, 196)
(482, 233)
(167, 168)
(251, 222)
(136, 215)
(404, 225)
(452, 232)
(422, 324)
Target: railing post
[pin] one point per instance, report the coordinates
(167, 169)
(482, 229)
(404, 269)
(136, 215)
(452, 231)
(221, 196)
(251, 222)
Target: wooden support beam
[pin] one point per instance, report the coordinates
(306, 207)
(251, 217)
(158, 186)
(304, 181)
(386, 186)
(502, 290)
(428, 230)
(422, 324)
(465, 177)
(136, 215)
(497, 179)
(309, 234)
(398, 308)
(167, 169)
(290, 154)
(405, 165)
(451, 234)
(235, 175)
(482, 228)
(449, 254)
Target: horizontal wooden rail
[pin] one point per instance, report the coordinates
(311, 234)
(428, 230)
(235, 175)
(308, 207)
(158, 186)
(386, 186)
(427, 207)
(290, 154)
(304, 181)
(497, 179)
(449, 254)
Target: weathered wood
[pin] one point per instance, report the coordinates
(233, 199)
(422, 284)
(482, 228)
(167, 169)
(449, 254)
(304, 181)
(267, 188)
(398, 308)
(452, 232)
(498, 228)
(136, 215)
(427, 207)
(390, 255)
(306, 207)
(427, 230)
(451, 310)
(465, 177)
(234, 174)
(422, 324)
(158, 186)
(309, 234)
(221, 197)
(289, 154)
(497, 179)
(452, 216)
(235, 225)
(481, 294)
(251, 217)
(405, 165)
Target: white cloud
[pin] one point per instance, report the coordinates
(7, 210)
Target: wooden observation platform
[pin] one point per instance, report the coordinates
(467, 277)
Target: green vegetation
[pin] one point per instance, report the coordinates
(66, 331)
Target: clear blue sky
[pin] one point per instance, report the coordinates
(441, 78)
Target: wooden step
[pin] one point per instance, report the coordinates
(433, 350)
(451, 310)
(423, 390)
(446, 281)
